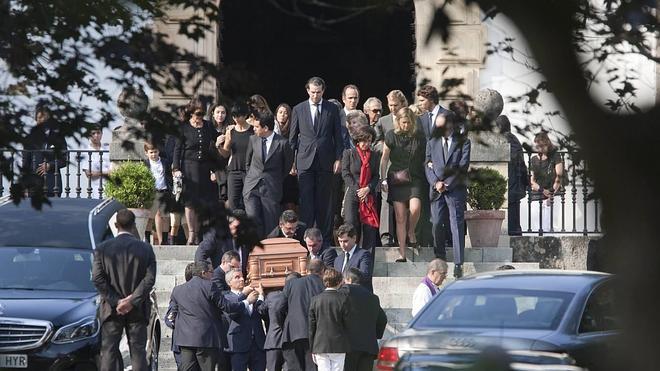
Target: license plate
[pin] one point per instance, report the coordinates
(13, 361)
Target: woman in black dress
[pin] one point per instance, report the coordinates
(218, 115)
(235, 146)
(290, 187)
(405, 147)
(195, 157)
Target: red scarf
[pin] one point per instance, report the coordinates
(368, 213)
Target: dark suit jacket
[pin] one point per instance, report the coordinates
(327, 254)
(345, 135)
(167, 167)
(212, 247)
(518, 176)
(323, 140)
(243, 326)
(272, 172)
(366, 321)
(298, 235)
(350, 170)
(452, 171)
(298, 294)
(243, 252)
(45, 143)
(426, 125)
(219, 279)
(328, 323)
(124, 265)
(361, 260)
(275, 304)
(198, 303)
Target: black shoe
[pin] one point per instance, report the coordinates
(401, 260)
(458, 271)
(391, 243)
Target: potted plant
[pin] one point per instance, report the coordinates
(486, 190)
(132, 184)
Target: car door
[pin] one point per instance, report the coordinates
(598, 327)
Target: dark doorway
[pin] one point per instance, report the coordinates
(265, 51)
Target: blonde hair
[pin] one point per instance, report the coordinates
(398, 95)
(415, 108)
(405, 112)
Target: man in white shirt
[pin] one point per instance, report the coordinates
(96, 164)
(436, 273)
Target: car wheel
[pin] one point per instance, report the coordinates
(153, 360)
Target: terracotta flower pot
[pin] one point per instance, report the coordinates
(484, 227)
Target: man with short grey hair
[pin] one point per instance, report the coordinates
(373, 108)
(436, 272)
(318, 249)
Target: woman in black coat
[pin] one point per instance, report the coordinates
(360, 166)
(195, 157)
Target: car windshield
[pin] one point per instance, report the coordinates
(495, 308)
(46, 268)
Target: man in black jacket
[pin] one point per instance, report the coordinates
(198, 327)
(289, 227)
(518, 177)
(317, 249)
(230, 260)
(366, 323)
(295, 336)
(275, 302)
(328, 324)
(124, 273)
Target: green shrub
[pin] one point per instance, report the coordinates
(132, 184)
(486, 189)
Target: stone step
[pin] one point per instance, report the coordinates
(418, 269)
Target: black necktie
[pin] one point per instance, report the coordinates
(263, 149)
(431, 123)
(348, 257)
(445, 148)
(317, 114)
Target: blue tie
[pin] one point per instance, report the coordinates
(263, 149)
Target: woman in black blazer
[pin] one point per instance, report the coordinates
(360, 166)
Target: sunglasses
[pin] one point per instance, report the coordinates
(198, 113)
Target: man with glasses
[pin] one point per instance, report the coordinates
(373, 108)
(436, 272)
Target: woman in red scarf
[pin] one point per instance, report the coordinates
(360, 167)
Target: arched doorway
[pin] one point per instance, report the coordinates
(268, 52)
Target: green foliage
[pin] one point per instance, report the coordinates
(132, 184)
(486, 189)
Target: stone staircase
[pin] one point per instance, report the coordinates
(393, 282)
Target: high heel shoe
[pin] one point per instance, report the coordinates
(401, 260)
(192, 239)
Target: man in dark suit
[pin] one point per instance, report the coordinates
(289, 227)
(268, 161)
(245, 337)
(124, 273)
(295, 335)
(44, 155)
(446, 165)
(328, 324)
(198, 325)
(353, 256)
(216, 241)
(170, 318)
(318, 249)
(316, 138)
(230, 261)
(518, 177)
(350, 96)
(366, 323)
(275, 303)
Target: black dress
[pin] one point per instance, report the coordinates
(196, 156)
(236, 167)
(406, 153)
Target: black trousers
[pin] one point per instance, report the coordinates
(316, 199)
(298, 356)
(262, 208)
(514, 218)
(204, 359)
(368, 236)
(111, 331)
(274, 359)
(235, 180)
(359, 361)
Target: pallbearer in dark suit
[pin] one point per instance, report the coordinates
(230, 260)
(353, 256)
(295, 334)
(318, 249)
(124, 273)
(268, 160)
(316, 139)
(289, 227)
(275, 304)
(246, 331)
(328, 324)
(446, 165)
(198, 304)
(366, 323)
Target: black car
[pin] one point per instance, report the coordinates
(561, 312)
(48, 303)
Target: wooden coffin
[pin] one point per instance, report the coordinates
(279, 256)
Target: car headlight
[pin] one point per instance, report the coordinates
(85, 328)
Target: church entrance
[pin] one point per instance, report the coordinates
(266, 51)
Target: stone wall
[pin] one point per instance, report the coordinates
(552, 252)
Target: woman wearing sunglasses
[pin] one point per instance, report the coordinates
(195, 157)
